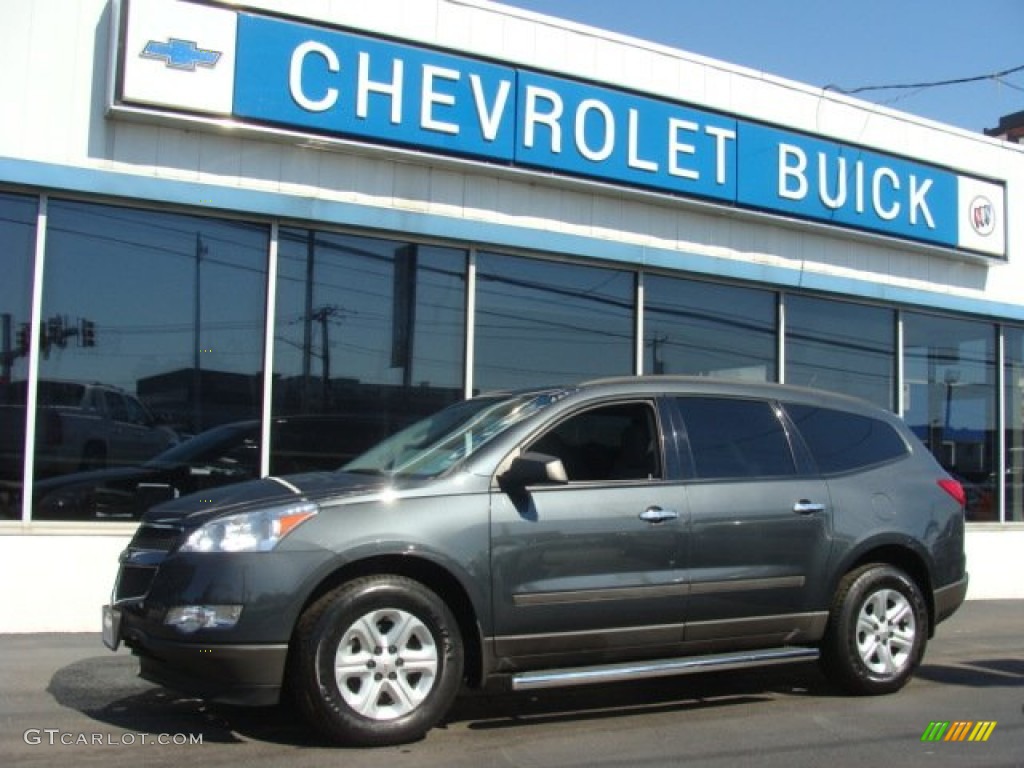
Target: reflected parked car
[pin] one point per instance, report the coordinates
(220, 456)
(223, 455)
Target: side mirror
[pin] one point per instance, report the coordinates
(535, 469)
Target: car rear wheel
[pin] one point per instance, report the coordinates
(877, 631)
(378, 661)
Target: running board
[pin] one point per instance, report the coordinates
(642, 670)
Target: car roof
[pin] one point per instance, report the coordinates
(705, 385)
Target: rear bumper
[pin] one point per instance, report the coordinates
(949, 598)
(240, 674)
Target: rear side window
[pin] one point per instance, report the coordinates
(840, 441)
(735, 438)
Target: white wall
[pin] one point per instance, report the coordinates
(57, 582)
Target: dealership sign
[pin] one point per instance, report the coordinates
(179, 57)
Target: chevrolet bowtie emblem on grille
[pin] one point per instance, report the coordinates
(180, 54)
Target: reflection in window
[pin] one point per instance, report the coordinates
(704, 329)
(541, 322)
(950, 401)
(158, 320)
(223, 455)
(841, 347)
(735, 438)
(616, 442)
(1013, 482)
(17, 235)
(369, 337)
(841, 441)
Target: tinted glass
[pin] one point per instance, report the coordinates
(735, 438)
(706, 329)
(841, 441)
(369, 337)
(17, 235)
(618, 442)
(1013, 481)
(433, 445)
(158, 318)
(842, 347)
(540, 323)
(950, 401)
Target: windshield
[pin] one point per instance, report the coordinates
(433, 445)
(211, 446)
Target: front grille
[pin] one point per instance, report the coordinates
(139, 563)
(158, 538)
(133, 581)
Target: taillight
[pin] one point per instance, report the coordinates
(954, 489)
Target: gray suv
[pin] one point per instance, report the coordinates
(618, 529)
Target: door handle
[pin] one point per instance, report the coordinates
(657, 515)
(806, 507)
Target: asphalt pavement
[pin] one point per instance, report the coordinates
(65, 699)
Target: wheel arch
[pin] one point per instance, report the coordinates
(898, 554)
(434, 577)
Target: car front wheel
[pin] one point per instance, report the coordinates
(378, 661)
(877, 631)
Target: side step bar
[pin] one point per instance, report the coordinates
(642, 670)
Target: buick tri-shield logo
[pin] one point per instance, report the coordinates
(180, 54)
(983, 216)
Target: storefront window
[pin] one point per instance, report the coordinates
(1013, 482)
(842, 347)
(949, 401)
(704, 329)
(152, 333)
(540, 322)
(369, 337)
(17, 245)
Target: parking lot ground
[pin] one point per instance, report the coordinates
(66, 700)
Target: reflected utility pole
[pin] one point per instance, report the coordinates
(7, 351)
(323, 315)
(197, 374)
(307, 324)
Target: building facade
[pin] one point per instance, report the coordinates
(239, 242)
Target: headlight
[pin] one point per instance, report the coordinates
(257, 531)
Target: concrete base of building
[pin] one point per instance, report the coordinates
(58, 576)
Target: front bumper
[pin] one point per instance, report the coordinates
(241, 674)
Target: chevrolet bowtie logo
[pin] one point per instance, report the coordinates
(180, 54)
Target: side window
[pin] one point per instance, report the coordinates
(841, 441)
(242, 459)
(732, 438)
(135, 412)
(116, 408)
(616, 442)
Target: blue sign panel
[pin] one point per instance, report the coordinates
(825, 181)
(326, 82)
(341, 84)
(627, 139)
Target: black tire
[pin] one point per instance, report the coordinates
(377, 661)
(877, 631)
